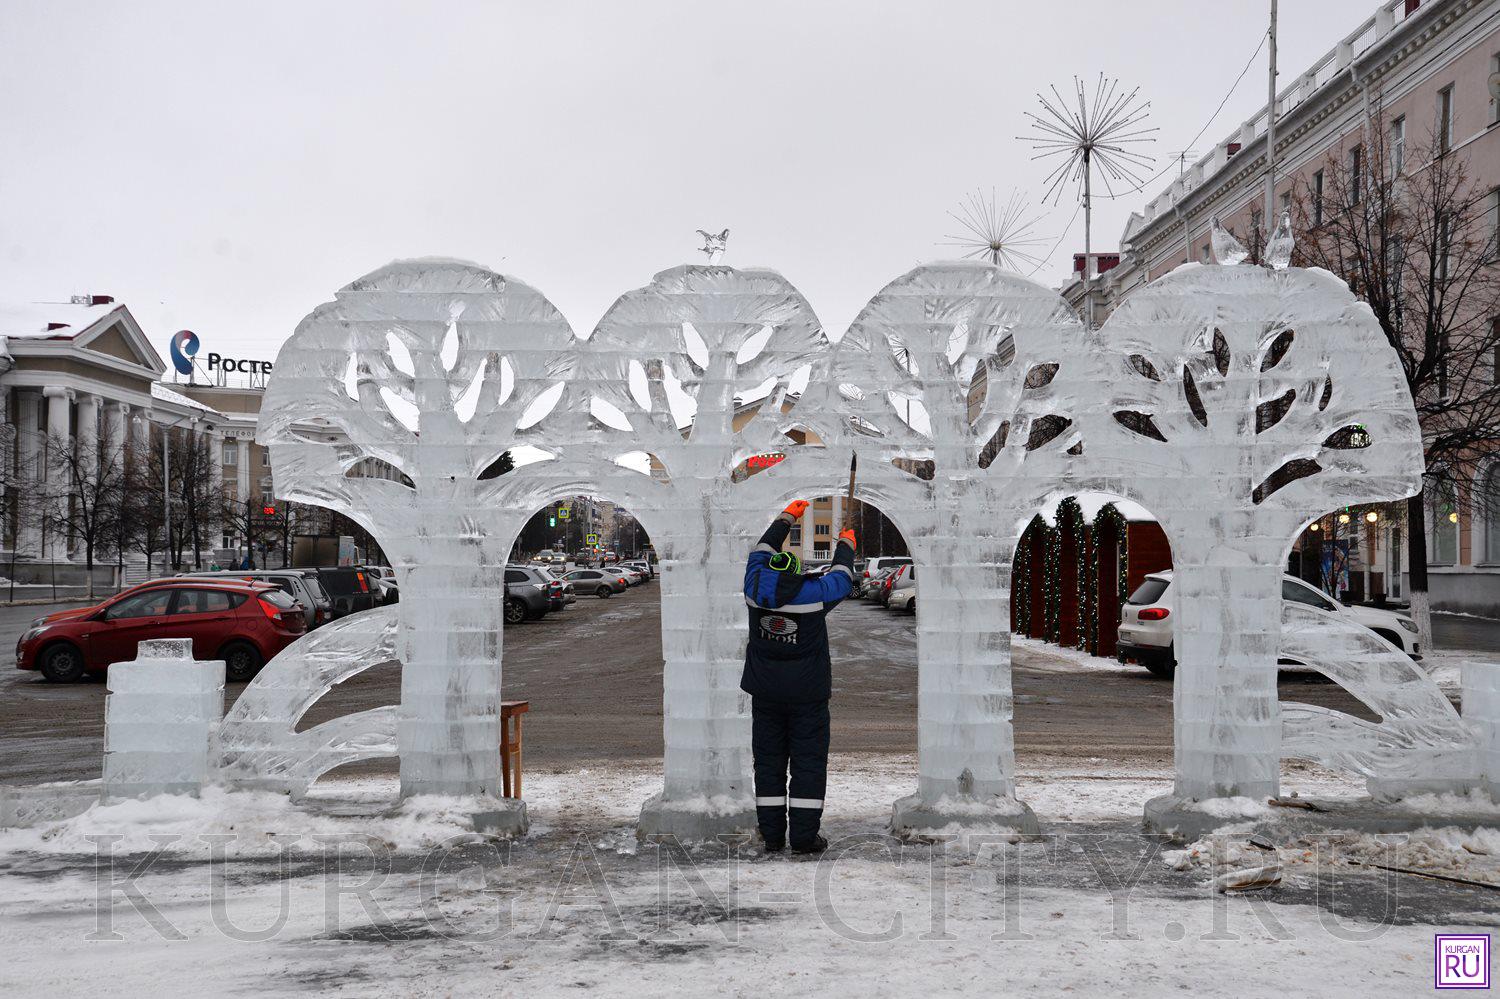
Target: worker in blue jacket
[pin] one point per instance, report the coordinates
(789, 677)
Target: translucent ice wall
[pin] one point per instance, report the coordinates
(161, 721)
(1481, 685)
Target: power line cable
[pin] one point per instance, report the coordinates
(1206, 125)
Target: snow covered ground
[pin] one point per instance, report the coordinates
(250, 893)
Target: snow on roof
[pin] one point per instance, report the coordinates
(1092, 503)
(32, 319)
(160, 391)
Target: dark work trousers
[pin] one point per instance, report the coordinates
(795, 735)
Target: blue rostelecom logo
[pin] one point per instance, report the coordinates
(184, 346)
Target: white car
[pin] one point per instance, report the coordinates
(632, 577)
(904, 599)
(1146, 621)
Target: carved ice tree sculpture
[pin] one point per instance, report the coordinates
(428, 370)
(1419, 742)
(259, 744)
(724, 346)
(1237, 403)
(943, 388)
(1242, 403)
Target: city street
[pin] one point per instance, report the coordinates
(593, 676)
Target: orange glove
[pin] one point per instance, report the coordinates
(849, 537)
(796, 508)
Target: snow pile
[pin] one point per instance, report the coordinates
(1230, 808)
(1451, 852)
(249, 823)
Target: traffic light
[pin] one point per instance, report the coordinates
(268, 510)
(551, 521)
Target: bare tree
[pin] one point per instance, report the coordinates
(144, 521)
(89, 513)
(1408, 230)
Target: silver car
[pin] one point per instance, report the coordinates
(596, 581)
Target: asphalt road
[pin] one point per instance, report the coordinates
(593, 676)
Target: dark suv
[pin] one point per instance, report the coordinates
(528, 594)
(349, 589)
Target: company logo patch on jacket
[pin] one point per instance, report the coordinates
(778, 627)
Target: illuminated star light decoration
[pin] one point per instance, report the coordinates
(1106, 129)
(1003, 235)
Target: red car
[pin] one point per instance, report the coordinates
(243, 622)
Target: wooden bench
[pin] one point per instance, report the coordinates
(510, 746)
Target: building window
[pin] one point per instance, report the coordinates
(795, 537)
(1488, 508)
(231, 453)
(1317, 205)
(265, 457)
(1495, 100)
(1445, 119)
(1442, 512)
(1206, 254)
(821, 531)
(1395, 265)
(1494, 226)
(1398, 146)
(1356, 178)
(1286, 202)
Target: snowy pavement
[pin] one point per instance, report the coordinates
(254, 895)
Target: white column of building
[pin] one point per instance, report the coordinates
(140, 432)
(116, 417)
(30, 474)
(86, 452)
(59, 429)
(216, 457)
(242, 471)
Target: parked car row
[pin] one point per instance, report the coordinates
(246, 617)
(890, 581)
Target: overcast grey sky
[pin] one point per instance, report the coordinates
(225, 168)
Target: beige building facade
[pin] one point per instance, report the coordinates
(1411, 71)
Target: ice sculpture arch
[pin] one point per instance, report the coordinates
(1237, 391)
(972, 397)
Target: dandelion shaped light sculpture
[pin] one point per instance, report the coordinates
(1105, 130)
(1002, 235)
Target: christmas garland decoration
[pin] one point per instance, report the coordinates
(1020, 590)
(1051, 581)
(1108, 518)
(1070, 522)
